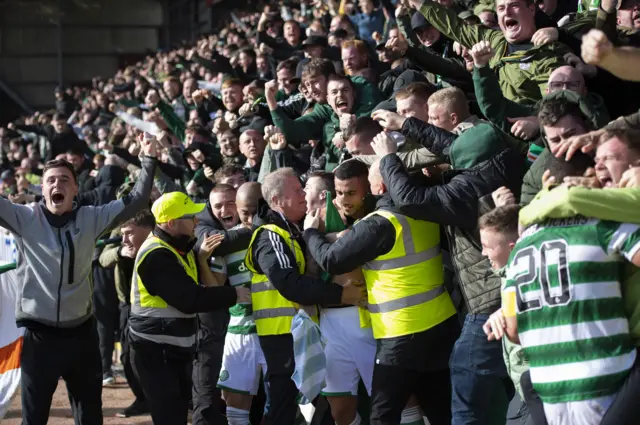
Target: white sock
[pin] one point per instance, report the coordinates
(237, 416)
(412, 416)
(357, 420)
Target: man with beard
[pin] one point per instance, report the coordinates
(523, 69)
(336, 97)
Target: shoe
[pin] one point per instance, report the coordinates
(108, 379)
(136, 409)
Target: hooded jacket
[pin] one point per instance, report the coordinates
(54, 253)
(458, 203)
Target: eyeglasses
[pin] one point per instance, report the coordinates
(564, 85)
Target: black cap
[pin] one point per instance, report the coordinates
(339, 33)
(404, 79)
(419, 21)
(315, 40)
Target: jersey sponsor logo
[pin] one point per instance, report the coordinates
(224, 375)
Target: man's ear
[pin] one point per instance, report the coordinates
(454, 118)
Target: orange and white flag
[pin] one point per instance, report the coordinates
(10, 341)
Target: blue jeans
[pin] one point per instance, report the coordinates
(481, 388)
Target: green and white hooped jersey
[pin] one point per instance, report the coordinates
(241, 321)
(571, 320)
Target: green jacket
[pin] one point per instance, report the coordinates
(620, 205)
(523, 75)
(110, 258)
(513, 354)
(323, 123)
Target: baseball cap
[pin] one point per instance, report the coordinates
(465, 14)
(418, 21)
(174, 205)
(315, 40)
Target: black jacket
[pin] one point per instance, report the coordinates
(106, 185)
(457, 204)
(165, 277)
(431, 137)
(274, 258)
(364, 242)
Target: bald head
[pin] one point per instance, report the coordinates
(567, 78)
(247, 198)
(375, 179)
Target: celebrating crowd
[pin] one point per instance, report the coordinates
(440, 194)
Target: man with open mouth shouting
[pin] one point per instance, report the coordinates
(55, 241)
(522, 68)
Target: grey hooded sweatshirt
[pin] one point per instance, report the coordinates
(54, 253)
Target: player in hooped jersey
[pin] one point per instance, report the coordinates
(562, 302)
(243, 360)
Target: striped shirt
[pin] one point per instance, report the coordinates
(565, 274)
(241, 321)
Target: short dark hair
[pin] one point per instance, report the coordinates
(142, 219)
(502, 219)
(576, 166)
(326, 181)
(60, 163)
(59, 117)
(291, 64)
(338, 77)
(227, 170)
(367, 128)
(350, 169)
(553, 110)
(198, 130)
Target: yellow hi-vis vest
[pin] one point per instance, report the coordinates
(147, 305)
(272, 312)
(405, 286)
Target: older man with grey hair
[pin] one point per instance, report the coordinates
(278, 287)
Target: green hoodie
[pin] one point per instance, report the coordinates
(620, 205)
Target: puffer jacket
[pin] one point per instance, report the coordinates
(457, 204)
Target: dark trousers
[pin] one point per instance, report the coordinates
(531, 397)
(478, 372)
(47, 356)
(125, 356)
(206, 370)
(165, 376)
(105, 303)
(278, 353)
(393, 385)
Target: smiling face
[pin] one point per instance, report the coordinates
(629, 14)
(340, 96)
(353, 60)
(428, 35)
(291, 202)
(613, 158)
(59, 187)
(229, 144)
(223, 206)
(292, 33)
(286, 82)
(516, 19)
(133, 236)
(496, 247)
(232, 97)
(350, 194)
(317, 88)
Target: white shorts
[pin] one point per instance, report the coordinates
(350, 351)
(585, 412)
(242, 362)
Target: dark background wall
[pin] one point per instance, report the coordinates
(47, 42)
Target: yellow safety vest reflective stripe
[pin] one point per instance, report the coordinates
(405, 286)
(272, 312)
(146, 305)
